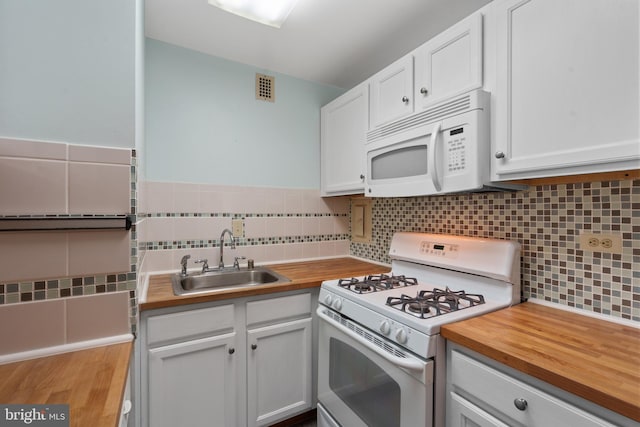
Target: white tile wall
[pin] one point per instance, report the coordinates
(40, 324)
(32, 255)
(30, 186)
(98, 188)
(98, 252)
(258, 207)
(38, 178)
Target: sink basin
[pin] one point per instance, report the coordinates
(224, 280)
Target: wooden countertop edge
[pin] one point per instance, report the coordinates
(123, 383)
(490, 349)
(177, 301)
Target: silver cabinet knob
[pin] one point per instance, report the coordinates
(232, 350)
(499, 155)
(424, 90)
(405, 99)
(520, 403)
(254, 346)
(361, 176)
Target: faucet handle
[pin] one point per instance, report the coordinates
(204, 262)
(236, 264)
(183, 263)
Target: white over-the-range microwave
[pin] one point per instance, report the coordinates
(442, 149)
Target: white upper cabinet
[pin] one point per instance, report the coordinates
(567, 91)
(392, 92)
(344, 124)
(450, 63)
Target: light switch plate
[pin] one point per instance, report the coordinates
(237, 227)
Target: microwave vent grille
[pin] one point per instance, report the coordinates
(455, 106)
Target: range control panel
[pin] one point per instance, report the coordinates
(439, 249)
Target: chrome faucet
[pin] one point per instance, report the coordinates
(233, 245)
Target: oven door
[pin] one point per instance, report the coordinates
(365, 380)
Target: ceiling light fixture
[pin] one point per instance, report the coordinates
(268, 12)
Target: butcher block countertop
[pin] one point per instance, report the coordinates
(591, 358)
(303, 275)
(92, 382)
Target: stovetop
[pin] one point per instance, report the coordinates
(435, 302)
(424, 303)
(376, 283)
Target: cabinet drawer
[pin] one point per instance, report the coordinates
(294, 306)
(189, 324)
(502, 392)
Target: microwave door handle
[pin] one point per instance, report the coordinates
(432, 164)
(406, 363)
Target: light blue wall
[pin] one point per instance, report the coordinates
(204, 125)
(67, 71)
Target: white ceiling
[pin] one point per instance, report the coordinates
(336, 42)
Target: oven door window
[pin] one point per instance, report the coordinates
(363, 386)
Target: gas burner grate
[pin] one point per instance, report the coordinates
(435, 302)
(376, 282)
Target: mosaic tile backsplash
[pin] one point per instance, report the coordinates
(547, 221)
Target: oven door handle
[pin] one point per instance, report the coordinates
(410, 364)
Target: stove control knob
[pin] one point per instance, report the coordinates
(337, 304)
(385, 328)
(401, 336)
(328, 300)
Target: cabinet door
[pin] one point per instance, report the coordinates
(278, 371)
(392, 92)
(450, 63)
(344, 123)
(193, 383)
(462, 413)
(567, 90)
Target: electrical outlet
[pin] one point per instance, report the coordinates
(237, 227)
(601, 242)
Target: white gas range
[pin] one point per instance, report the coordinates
(379, 335)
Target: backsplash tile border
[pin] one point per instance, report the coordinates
(547, 221)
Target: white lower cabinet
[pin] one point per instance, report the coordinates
(193, 383)
(240, 362)
(278, 371)
(488, 394)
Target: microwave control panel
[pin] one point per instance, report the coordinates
(456, 146)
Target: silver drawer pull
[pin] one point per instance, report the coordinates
(520, 403)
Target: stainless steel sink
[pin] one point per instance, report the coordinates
(224, 280)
